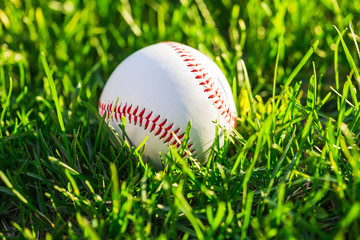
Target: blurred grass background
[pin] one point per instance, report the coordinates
(60, 176)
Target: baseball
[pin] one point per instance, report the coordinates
(162, 87)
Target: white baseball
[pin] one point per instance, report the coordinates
(162, 87)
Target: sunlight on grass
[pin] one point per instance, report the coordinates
(290, 169)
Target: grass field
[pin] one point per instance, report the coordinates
(291, 170)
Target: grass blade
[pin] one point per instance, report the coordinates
(297, 70)
(53, 91)
(349, 58)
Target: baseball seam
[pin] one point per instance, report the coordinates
(148, 120)
(206, 81)
(153, 122)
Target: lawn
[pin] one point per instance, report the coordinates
(290, 169)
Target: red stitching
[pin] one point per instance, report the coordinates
(123, 110)
(136, 117)
(215, 95)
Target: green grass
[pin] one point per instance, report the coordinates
(291, 169)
